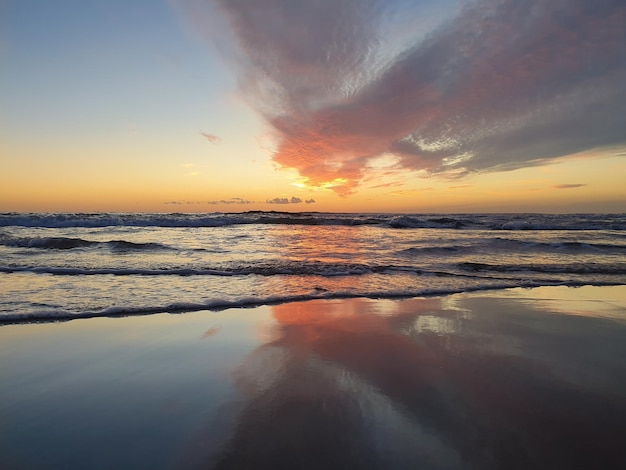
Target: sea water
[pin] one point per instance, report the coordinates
(62, 266)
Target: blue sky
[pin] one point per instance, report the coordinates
(108, 65)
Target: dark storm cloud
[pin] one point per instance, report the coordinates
(493, 85)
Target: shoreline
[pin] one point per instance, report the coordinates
(222, 305)
(511, 378)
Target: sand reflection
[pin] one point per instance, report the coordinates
(425, 383)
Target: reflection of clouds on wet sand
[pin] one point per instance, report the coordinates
(211, 332)
(430, 383)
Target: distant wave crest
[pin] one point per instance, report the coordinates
(511, 222)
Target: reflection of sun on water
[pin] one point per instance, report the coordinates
(433, 324)
(318, 243)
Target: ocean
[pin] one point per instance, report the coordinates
(69, 265)
(274, 340)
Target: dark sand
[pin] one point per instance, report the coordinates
(508, 379)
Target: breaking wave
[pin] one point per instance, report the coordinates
(249, 302)
(277, 269)
(588, 268)
(68, 243)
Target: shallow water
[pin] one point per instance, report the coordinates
(521, 378)
(59, 266)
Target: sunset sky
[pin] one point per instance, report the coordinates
(304, 105)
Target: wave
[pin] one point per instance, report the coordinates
(588, 268)
(293, 269)
(512, 222)
(509, 245)
(123, 245)
(472, 270)
(99, 220)
(434, 250)
(561, 223)
(559, 246)
(249, 302)
(288, 269)
(51, 243)
(68, 243)
(406, 221)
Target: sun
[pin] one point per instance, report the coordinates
(305, 183)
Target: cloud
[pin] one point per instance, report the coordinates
(232, 200)
(293, 200)
(409, 192)
(491, 85)
(568, 186)
(245, 202)
(214, 139)
(180, 203)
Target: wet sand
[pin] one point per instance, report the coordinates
(505, 379)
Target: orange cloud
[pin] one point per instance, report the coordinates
(499, 85)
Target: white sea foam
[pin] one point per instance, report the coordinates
(246, 302)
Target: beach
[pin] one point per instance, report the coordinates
(514, 378)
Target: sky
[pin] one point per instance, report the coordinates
(313, 105)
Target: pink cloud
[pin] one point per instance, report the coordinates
(214, 139)
(498, 85)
